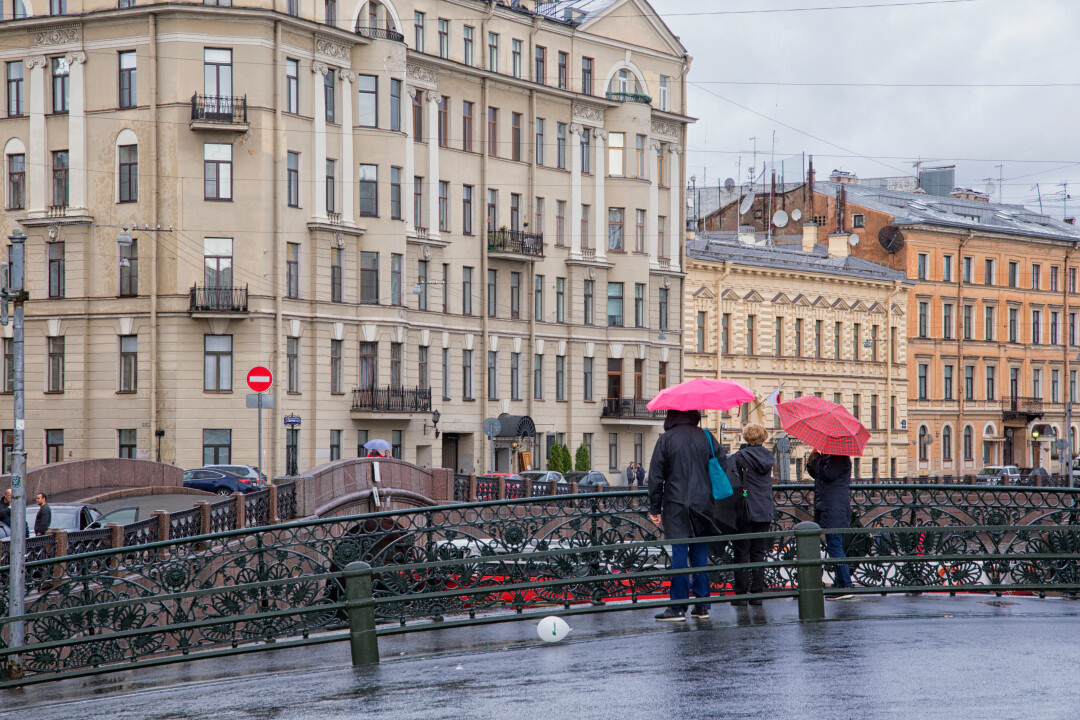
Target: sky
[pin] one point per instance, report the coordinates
(848, 86)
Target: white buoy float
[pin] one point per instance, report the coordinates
(552, 629)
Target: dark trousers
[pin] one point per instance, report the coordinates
(698, 555)
(751, 551)
(834, 545)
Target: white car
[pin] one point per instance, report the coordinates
(996, 474)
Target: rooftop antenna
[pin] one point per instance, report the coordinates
(1039, 191)
(1001, 183)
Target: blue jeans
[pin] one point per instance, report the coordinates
(835, 547)
(680, 586)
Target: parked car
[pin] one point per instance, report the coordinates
(80, 516)
(218, 481)
(244, 471)
(592, 477)
(995, 474)
(543, 476)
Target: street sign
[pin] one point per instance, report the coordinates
(253, 401)
(492, 426)
(292, 421)
(259, 379)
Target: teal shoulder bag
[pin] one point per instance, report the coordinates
(721, 485)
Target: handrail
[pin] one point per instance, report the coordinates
(378, 33)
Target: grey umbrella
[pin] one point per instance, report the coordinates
(378, 444)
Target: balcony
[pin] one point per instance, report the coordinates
(219, 112)
(624, 97)
(630, 411)
(1021, 408)
(217, 300)
(377, 33)
(56, 211)
(516, 243)
(390, 400)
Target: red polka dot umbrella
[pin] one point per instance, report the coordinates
(825, 426)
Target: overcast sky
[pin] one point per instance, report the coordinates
(1017, 43)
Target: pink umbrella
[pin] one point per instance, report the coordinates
(701, 394)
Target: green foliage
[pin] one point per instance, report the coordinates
(560, 459)
(582, 461)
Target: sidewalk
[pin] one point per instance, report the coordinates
(923, 656)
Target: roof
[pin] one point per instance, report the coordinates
(725, 247)
(909, 208)
(574, 11)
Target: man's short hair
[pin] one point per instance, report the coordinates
(43, 495)
(755, 434)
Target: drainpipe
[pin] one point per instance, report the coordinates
(482, 280)
(154, 208)
(279, 323)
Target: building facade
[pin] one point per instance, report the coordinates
(807, 321)
(459, 206)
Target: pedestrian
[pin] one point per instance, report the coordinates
(832, 507)
(5, 508)
(681, 501)
(630, 474)
(640, 476)
(752, 465)
(44, 514)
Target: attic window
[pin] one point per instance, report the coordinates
(858, 220)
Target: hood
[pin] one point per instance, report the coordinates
(682, 417)
(757, 458)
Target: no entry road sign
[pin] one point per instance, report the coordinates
(259, 379)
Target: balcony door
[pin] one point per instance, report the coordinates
(614, 384)
(217, 81)
(218, 272)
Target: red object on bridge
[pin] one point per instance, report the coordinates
(259, 379)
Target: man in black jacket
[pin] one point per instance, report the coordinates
(832, 506)
(680, 500)
(44, 515)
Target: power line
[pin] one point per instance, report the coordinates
(778, 83)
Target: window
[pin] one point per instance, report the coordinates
(538, 377)
(1072, 280)
(292, 270)
(395, 104)
(1072, 329)
(947, 321)
(540, 75)
(292, 357)
(466, 290)
(564, 71)
(466, 374)
(368, 181)
(969, 444)
(539, 141)
(331, 186)
(946, 266)
(446, 373)
(61, 84)
(515, 212)
(1055, 386)
(1036, 276)
(397, 263)
(444, 121)
(923, 263)
(292, 7)
(126, 441)
(1036, 384)
(613, 451)
(515, 137)
(946, 444)
(217, 447)
(538, 219)
(969, 382)
(515, 58)
(422, 281)
(662, 376)
(1072, 383)
(56, 269)
(988, 323)
(988, 272)
(873, 412)
(924, 319)
(661, 168)
(1014, 322)
(1014, 275)
(586, 76)
(129, 363)
(639, 231)
(798, 338)
(699, 333)
(15, 96)
(1055, 322)
(444, 38)
(292, 178)
(817, 336)
(947, 382)
(16, 185)
(560, 378)
(750, 322)
(335, 445)
(422, 374)
(991, 383)
(560, 145)
(515, 295)
(127, 85)
(492, 209)
(664, 83)
(923, 371)
(616, 153)
(217, 262)
(330, 12)
(856, 402)
(587, 305)
(217, 171)
(337, 272)
(515, 376)
(418, 117)
(395, 365)
(662, 307)
(1054, 278)
(587, 378)
(369, 365)
(969, 271)
(858, 220)
(1036, 327)
(493, 375)
(493, 52)
(467, 209)
(335, 367)
(640, 155)
(615, 304)
(492, 292)
(778, 336)
(60, 187)
(560, 223)
(129, 269)
(969, 322)
(395, 193)
(586, 238)
(418, 31)
(54, 445)
(560, 300)
(615, 228)
(368, 105)
(469, 33)
(217, 363)
(836, 340)
(292, 86)
(493, 132)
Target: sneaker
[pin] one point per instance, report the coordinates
(672, 615)
(700, 612)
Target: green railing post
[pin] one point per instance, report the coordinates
(362, 638)
(811, 589)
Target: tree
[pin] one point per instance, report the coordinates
(582, 461)
(560, 459)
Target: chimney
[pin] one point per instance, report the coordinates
(962, 193)
(809, 237)
(843, 177)
(839, 246)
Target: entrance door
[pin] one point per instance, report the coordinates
(450, 453)
(1007, 448)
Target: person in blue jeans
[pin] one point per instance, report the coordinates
(681, 502)
(832, 506)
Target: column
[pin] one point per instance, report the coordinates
(318, 161)
(77, 132)
(575, 192)
(348, 162)
(37, 161)
(651, 227)
(433, 100)
(676, 229)
(410, 163)
(599, 181)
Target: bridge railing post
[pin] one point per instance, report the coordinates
(811, 588)
(362, 638)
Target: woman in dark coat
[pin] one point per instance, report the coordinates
(832, 504)
(680, 499)
(753, 466)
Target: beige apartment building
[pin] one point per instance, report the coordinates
(810, 320)
(416, 214)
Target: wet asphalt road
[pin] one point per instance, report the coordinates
(896, 657)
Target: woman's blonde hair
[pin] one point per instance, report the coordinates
(755, 434)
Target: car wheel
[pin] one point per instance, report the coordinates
(224, 492)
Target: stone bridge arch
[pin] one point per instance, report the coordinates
(345, 487)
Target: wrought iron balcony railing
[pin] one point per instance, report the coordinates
(218, 299)
(516, 241)
(1013, 406)
(377, 33)
(219, 108)
(632, 408)
(392, 399)
(629, 97)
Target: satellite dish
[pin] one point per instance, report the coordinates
(747, 203)
(990, 188)
(729, 184)
(891, 238)
(796, 214)
(853, 239)
(780, 219)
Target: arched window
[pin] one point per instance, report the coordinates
(924, 442)
(946, 444)
(127, 167)
(969, 443)
(626, 84)
(15, 169)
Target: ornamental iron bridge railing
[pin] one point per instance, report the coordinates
(300, 583)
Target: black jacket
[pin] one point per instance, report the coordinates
(43, 519)
(832, 490)
(640, 475)
(753, 465)
(5, 513)
(679, 486)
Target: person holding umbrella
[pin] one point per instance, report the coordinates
(832, 506)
